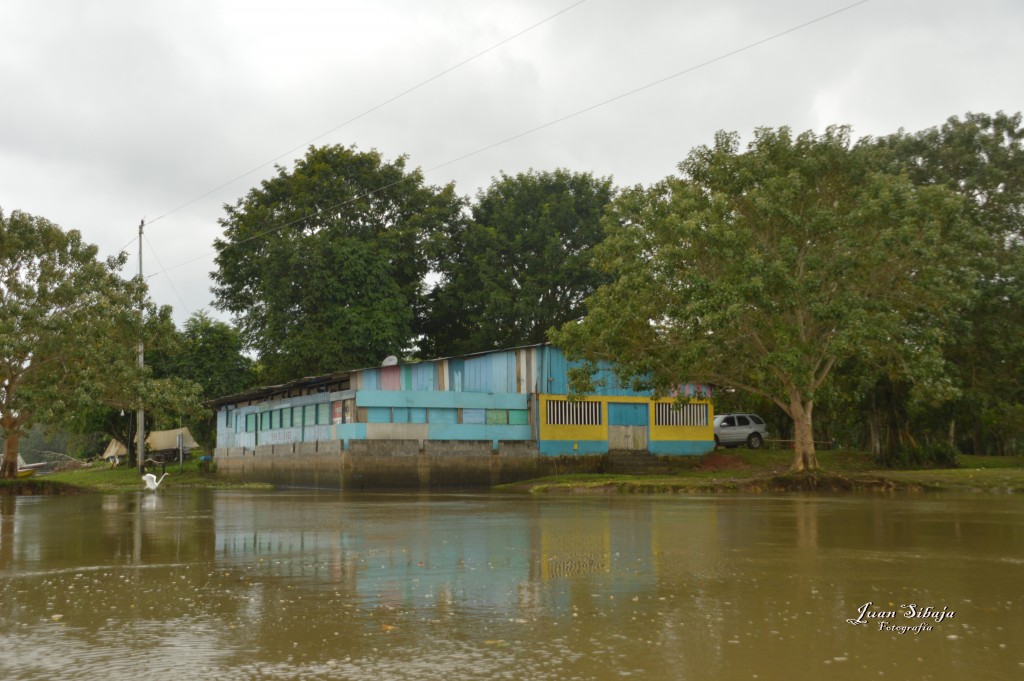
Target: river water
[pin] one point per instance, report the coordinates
(305, 585)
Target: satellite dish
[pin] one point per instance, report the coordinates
(389, 361)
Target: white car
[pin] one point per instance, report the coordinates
(733, 430)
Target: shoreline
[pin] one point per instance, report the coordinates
(719, 472)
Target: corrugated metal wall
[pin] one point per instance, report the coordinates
(493, 378)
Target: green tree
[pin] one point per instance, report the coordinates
(322, 267)
(762, 270)
(981, 158)
(165, 396)
(211, 355)
(521, 266)
(68, 326)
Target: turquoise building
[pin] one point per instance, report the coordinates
(514, 395)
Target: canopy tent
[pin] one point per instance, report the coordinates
(158, 441)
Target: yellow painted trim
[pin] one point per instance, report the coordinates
(660, 433)
(558, 432)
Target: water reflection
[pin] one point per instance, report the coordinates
(313, 585)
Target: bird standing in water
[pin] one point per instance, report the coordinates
(151, 481)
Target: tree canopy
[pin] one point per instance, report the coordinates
(322, 266)
(522, 263)
(209, 353)
(981, 158)
(69, 325)
(763, 269)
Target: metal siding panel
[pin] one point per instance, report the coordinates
(444, 415)
(440, 400)
(478, 416)
(627, 414)
(422, 376)
(378, 415)
(391, 378)
(518, 417)
(371, 379)
(417, 415)
(456, 369)
(477, 375)
(497, 417)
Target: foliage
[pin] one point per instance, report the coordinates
(322, 266)
(68, 326)
(761, 270)
(522, 263)
(166, 397)
(210, 354)
(981, 158)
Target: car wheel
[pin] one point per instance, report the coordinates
(755, 441)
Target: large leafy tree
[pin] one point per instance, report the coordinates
(210, 353)
(981, 158)
(763, 269)
(69, 325)
(522, 264)
(322, 266)
(167, 394)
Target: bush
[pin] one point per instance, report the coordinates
(931, 455)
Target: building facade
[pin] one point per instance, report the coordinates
(480, 402)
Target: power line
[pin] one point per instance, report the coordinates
(169, 280)
(374, 108)
(548, 124)
(654, 83)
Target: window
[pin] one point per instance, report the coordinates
(275, 420)
(286, 418)
(757, 419)
(227, 418)
(566, 413)
(742, 421)
(728, 421)
(250, 423)
(309, 415)
(265, 421)
(323, 413)
(680, 414)
(497, 417)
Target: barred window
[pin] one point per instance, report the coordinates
(680, 414)
(566, 413)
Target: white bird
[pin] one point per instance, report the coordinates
(151, 481)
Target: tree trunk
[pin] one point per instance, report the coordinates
(9, 467)
(804, 457)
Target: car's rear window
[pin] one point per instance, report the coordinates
(756, 419)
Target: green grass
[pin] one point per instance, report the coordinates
(100, 477)
(741, 470)
(745, 470)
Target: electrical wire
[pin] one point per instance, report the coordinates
(543, 126)
(374, 108)
(164, 272)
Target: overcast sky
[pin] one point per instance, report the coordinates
(114, 111)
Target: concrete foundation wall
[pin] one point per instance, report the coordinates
(379, 464)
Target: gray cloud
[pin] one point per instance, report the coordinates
(116, 110)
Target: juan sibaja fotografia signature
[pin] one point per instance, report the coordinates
(889, 620)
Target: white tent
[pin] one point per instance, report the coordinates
(158, 441)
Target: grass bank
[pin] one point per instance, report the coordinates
(756, 471)
(100, 477)
(739, 470)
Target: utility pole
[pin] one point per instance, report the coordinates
(140, 422)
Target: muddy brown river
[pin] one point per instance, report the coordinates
(305, 585)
